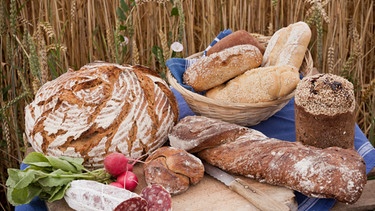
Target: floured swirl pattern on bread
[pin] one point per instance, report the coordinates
(99, 109)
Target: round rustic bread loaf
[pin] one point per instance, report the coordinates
(99, 109)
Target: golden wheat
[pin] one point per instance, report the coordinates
(135, 53)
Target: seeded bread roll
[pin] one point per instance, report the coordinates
(240, 37)
(332, 172)
(324, 111)
(99, 109)
(260, 84)
(217, 68)
(174, 169)
(288, 46)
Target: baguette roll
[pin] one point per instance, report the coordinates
(218, 68)
(325, 173)
(260, 84)
(288, 46)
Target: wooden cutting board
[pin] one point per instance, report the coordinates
(208, 194)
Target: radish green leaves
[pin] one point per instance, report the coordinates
(48, 177)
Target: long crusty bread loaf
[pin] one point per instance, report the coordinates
(328, 173)
(217, 68)
(288, 45)
(260, 84)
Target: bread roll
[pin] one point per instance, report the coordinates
(240, 37)
(288, 46)
(174, 169)
(324, 111)
(217, 68)
(327, 173)
(260, 84)
(99, 109)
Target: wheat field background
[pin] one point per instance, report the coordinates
(41, 39)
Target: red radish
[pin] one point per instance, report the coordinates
(129, 180)
(130, 167)
(115, 163)
(116, 184)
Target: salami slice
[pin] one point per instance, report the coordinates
(157, 197)
(132, 204)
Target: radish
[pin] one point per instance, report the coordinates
(129, 180)
(116, 163)
(130, 167)
(116, 184)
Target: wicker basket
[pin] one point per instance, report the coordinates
(240, 113)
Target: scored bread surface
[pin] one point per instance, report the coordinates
(99, 109)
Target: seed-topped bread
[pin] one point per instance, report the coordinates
(324, 111)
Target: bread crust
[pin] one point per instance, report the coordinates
(174, 169)
(325, 111)
(218, 68)
(327, 173)
(239, 37)
(288, 46)
(260, 84)
(99, 109)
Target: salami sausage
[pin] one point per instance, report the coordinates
(93, 195)
(132, 204)
(157, 197)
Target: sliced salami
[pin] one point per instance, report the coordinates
(132, 204)
(157, 197)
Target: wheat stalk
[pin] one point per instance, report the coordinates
(6, 137)
(42, 53)
(368, 91)
(2, 21)
(331, 58)
(135, 52)
(34, 64)
(164, 45)
(73, 8)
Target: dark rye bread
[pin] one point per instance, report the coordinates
(327, 173)
(99, 109)
(324, 111)
(173, 168)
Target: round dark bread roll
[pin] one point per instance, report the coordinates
(174, 169)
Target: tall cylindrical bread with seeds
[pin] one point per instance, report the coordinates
(324, 111)
(99, 109)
